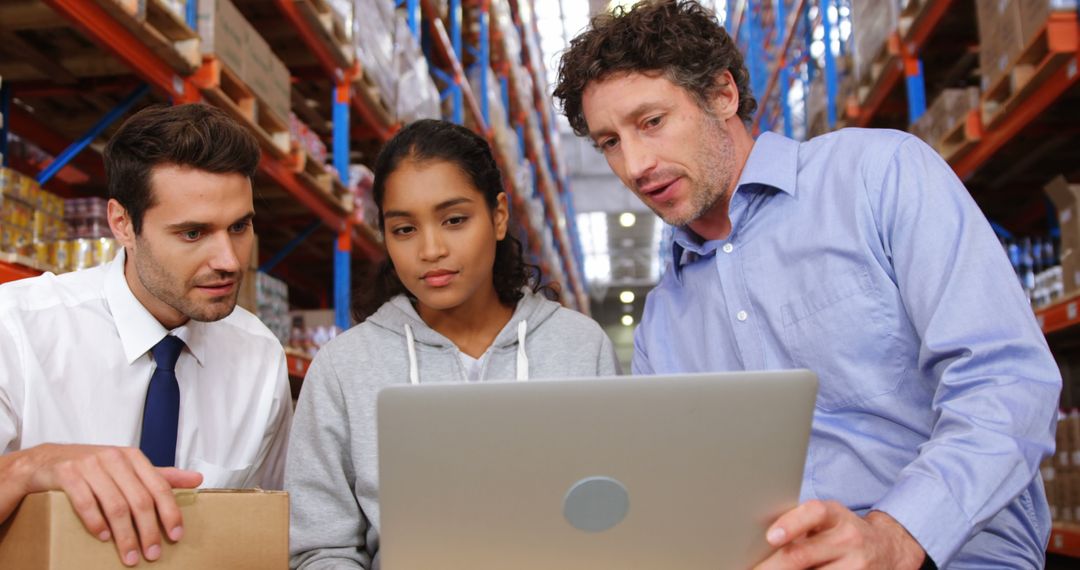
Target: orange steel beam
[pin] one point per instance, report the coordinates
(104, 30)
(1023, 115)
(311, 39)
(926, 24)
(284, 177)
(13, 272)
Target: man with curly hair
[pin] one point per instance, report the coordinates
(858, 255)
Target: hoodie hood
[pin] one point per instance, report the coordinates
(399, 317)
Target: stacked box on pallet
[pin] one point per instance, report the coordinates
(416, 96)
(1034, 13)
(949, 108)
(1001, 38)
(227, 36)
(872, 22)
(272, 305)
(373, 34)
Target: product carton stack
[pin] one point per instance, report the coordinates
(1061, 473)
(241, 73)
(939, 125)
(1001, 38)
(1066, 199)
(876, 21)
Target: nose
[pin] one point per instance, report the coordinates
(638, 157)
(224, 258)
(433, 246)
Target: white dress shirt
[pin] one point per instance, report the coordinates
(75, 364)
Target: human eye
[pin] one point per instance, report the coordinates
(239, 227)
(456, 220)
(403, 231)
(605, 145)
(653, 122)
(190, 235)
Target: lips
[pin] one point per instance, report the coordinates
(218, 289)
(439, 277)
(661, 192)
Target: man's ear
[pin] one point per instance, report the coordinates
(120, 224)
(725, 100)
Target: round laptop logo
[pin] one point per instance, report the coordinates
(596, 504)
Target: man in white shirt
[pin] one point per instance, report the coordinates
(121, 382)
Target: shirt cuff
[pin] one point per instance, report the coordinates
(928, 511)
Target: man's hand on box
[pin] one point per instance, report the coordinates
(825, 534)
(116, 492)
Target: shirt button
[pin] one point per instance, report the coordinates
(742, 316)
(728, 248)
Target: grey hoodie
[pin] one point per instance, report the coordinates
(331, 471)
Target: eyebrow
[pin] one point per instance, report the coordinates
(440, 206)
(636, 112)
(203, 226)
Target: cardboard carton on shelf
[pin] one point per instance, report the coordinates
(235, 529)
(1066, 199)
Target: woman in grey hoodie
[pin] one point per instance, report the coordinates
(456, 303)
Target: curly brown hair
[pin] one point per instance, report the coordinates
(680, 39)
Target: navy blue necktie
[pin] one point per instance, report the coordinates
(162, 411)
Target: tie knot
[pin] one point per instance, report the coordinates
(166, 351)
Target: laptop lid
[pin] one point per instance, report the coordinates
(682, 471)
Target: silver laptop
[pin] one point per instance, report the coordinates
(683, 471)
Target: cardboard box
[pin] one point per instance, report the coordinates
(1001, 38)
(229, 37)
(1066, 199)
(1034, 13)
(268, 78)
(224, 33)
(239, 530)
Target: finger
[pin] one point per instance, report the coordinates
(82, 500)
(122, 467)
(160, 488)
(799, 522)
(114, 506)
(813, 552)
(181, 478)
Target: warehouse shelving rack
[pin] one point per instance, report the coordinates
(353, 120)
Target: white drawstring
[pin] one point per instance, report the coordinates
(522, 358)
(414, 373)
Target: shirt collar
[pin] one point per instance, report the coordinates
(139, 331)
(773, 162)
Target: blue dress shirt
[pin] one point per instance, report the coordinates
(859, 255)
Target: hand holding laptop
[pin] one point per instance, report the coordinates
(822, 533)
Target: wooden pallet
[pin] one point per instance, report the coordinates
(888, 55)
(221, 86)
(164, 32)
(1052, 47)
(959, 139)
(320, 179)
(367, 90)
(331, 30)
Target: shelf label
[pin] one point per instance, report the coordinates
(1059, 541)
(1070, 311)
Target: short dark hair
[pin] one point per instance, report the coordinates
(433, 140)
(679, 39)
(194, 135)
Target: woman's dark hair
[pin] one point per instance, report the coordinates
(679, 39)
(194, 135)
(431, 140)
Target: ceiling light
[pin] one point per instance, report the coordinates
(627, 219)
(628, 320)
(626, 296)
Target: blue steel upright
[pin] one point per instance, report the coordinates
(342, 249)
(830, 65)
(76, 147)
